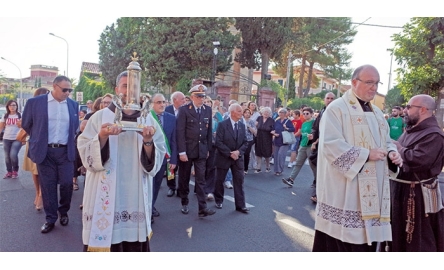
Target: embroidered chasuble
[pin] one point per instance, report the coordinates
(353, 193)
(118, 190)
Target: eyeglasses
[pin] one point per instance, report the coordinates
(106, 102)
(307, 113)
(410, 106)
(64, 90)
(160, 102)
(12, 105)
(370, 83)
(199, 96)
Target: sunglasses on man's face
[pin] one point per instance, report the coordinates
(64, 90)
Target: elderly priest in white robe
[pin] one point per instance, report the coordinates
(353, 209)
(120, 165)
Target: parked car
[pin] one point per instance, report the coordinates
(2, 113)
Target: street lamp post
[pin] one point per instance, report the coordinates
(21, 85)
(67, 52)
(390, 73)
(213, 74)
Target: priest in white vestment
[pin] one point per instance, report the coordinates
(120, 165)
(353, 209)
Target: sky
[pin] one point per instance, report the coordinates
(26, 41)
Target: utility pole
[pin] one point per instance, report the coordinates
(290, 56)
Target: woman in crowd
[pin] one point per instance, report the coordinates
(250, 127)
(30, 166)
(11, 147)
(264, 139)
(254, 115)
(281, 124)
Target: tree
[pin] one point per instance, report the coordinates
(394, 97)
(419, 51)
(168, 48)
(327, 38)
(91, 87)
(116, 46)
(183, 47)
(263, 38)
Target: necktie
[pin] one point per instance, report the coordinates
(160, 119)
(235, 130)
(198, 111)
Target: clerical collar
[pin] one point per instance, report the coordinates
(366, 107)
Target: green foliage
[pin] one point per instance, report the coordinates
(4, 98)
(184, 85)
(91, 88)
(419, 50)
(116, 46)
(169, 48)
(183, 47)
(394, 97)
(316, 103)
(263, 38)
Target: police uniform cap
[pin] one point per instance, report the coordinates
(198, 90)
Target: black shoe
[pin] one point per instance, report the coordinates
(288, 181)
(218, 205)
(47, 227)
(206, 212)
(185, 209)
(243, 210)
(64, 220)
(171, 192)
(155, 213)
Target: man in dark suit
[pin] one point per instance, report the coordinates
(194, 132)
(51, 122)
(168, 123)
(231, 143)
(177, 100)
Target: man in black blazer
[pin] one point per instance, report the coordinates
(51, 122)
(231, 143)
(194, 133)
(177, 100)
(168, 123)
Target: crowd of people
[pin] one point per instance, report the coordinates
(374, 177)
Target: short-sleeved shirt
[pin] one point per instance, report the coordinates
(306, 129)
(397, 126)
(11, 128)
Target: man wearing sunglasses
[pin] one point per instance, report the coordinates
(353, 189)
(417, 207)
(51, 121)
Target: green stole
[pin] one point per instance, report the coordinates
(170, 173)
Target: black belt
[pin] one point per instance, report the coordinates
(56, 145)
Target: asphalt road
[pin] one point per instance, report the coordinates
(281, 219)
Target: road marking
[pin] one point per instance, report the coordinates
(229, 198)
(297, 226)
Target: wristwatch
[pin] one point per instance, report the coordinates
(148, 143)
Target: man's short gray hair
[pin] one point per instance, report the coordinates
(234, 106)
(123, 74)
(175, 94)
